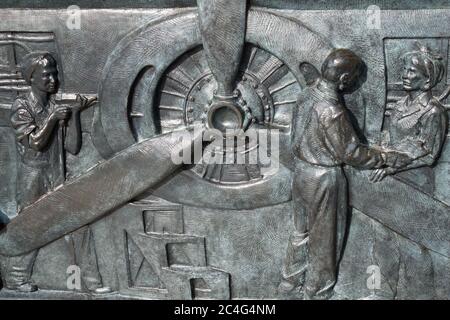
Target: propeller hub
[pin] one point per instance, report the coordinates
(225, 117)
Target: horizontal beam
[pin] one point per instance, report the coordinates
(285, 4)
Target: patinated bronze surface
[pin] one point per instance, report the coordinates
(224, 149)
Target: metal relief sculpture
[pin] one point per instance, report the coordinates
(327, 163)
(418, 123)
(324, 141)
(42, 138)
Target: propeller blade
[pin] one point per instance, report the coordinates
(97, 193)
(222, 25)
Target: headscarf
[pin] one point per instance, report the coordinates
(428, 61)
(32, 61)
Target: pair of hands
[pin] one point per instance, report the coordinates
(379, 174)
(64, 112)
(394, 160)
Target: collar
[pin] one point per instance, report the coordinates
(421, 100)
(420, 103)
(325, 92)
(35, 104)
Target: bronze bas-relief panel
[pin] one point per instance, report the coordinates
(224, 150)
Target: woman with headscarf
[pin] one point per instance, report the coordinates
(42, 138)
(418, 122)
